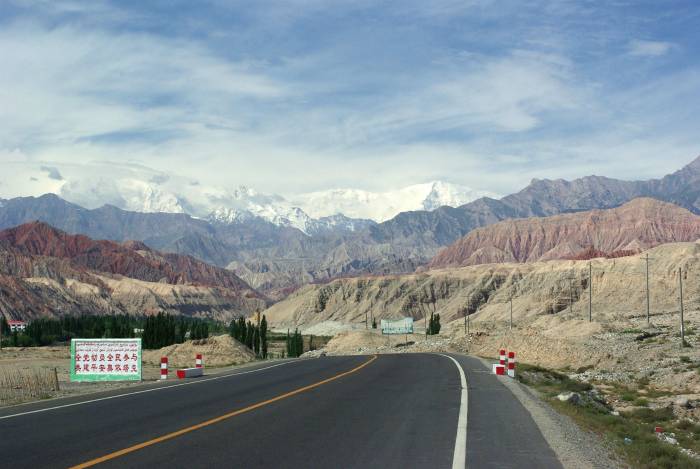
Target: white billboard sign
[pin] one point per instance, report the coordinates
(397, 326)
(105, 359)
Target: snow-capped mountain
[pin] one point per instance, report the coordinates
(381, 206)
(140, 189)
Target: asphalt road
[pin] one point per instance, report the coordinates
(392, 411)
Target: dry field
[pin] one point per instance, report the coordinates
(32, 373)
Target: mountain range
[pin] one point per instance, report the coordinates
(635, 226)
(44, 270)
(140, 189)
(277, 258)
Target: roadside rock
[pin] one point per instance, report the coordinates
(683, 402)
(570, 397)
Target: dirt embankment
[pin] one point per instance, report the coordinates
(536, 289)
(216, 352)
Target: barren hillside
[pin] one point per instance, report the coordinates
(45, 272)
(628, 229)
(539, 288)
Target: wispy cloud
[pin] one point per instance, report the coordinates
(306, 95)
(52, 173)
(649, 48)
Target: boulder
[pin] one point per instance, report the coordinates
(570, 397)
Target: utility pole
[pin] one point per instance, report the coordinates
(511, 313)
(680, 291)
(571, 293)
(425, 320)
(590, 292)
(646, 258)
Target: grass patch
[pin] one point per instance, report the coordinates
(550, 381)
(651, 415)
(631, 433)
(685, 425)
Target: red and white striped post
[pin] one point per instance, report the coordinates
(163, 367)
(511, 364)
(198, 361)
(502, 360)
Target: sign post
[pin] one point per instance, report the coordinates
(105, 360)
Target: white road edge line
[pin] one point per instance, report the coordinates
(459, 459)
(143, 392)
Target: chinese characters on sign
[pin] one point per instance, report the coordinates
(105, 359)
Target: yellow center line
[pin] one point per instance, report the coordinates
(206, 423)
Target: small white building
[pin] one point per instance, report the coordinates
(18, 326)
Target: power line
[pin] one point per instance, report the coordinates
(680, 295)
(590, 292)
(571, 279)
(511, 313)
(646, 258)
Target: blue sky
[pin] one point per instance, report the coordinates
(293, 96)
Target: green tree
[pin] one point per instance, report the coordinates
(263, 336)
(297, 344)
(434, 324)
(256, 341)
(235, 333)
(250, 335)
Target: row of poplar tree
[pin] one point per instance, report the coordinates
(46, 331)
(163, 329)
(434, 324)
(295, 344)
(251, 335)
(158, 331)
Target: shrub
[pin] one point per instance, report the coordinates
(652, 415)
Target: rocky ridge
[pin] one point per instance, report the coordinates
(278, 259)
(637, 225)
(46, 272)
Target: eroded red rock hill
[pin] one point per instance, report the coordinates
(131, 259)
(635, 226)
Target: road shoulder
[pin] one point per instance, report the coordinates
(575, 447)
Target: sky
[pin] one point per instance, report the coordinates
(303, 95)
